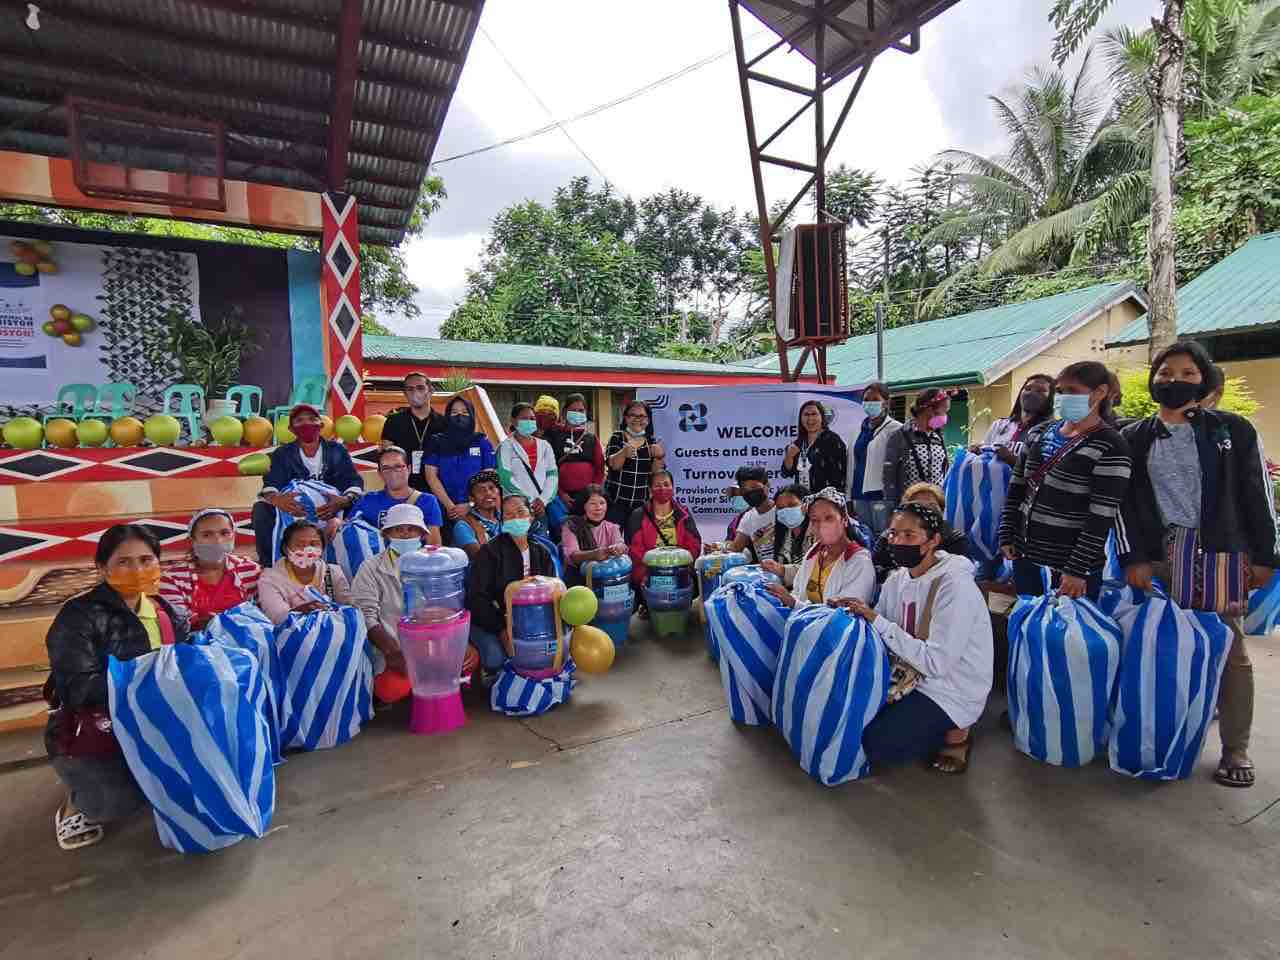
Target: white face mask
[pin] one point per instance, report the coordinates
(304, 557)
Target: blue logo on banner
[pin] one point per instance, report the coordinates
(693, 416)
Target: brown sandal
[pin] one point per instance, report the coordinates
(1237, 775)
(953, 758)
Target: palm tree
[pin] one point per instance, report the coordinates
(1071, 177)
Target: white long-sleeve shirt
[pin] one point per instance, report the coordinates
(956, 659)
(853, 575)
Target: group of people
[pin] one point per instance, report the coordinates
(859, 526)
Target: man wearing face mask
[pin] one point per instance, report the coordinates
(309, 457)
(756, 526)
(866, 458)
(373, 507)
(211, 578)
(412, 428)
(1200, 488)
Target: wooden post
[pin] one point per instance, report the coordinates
(340, 301)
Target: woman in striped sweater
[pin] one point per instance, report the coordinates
(1067, 488)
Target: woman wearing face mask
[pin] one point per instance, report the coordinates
(631, 456)
(587, 536)
(527, 465)
(934, 620)
(917, 453)
(792, 538)
(866, 458)
(660, 522)
(579, 454)
(309, 457)
(283, 589)
(953, 541)
(1200, 484)
(1033, 407)
(210, 578)
(755, 527)
(1066, 489)
(120, 617)
(818, 458)
(454, 456)
(836, 567)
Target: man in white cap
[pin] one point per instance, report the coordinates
(377, 590)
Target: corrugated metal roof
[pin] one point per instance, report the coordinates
(965, 348)
(265, 69)
(467, 353)
(1240, 292)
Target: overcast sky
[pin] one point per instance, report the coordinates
(689, 133)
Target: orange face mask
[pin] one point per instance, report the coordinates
(133, 582)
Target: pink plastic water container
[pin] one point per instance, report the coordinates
(535, 625)
(433, 654)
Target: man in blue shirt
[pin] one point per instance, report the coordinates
(393, 467)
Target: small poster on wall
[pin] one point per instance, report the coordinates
(86, 313)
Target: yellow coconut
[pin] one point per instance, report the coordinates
(61, 433)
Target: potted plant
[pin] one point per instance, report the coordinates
(210, 355)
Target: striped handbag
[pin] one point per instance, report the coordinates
(1205, 579)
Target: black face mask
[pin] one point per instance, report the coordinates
(1176, 394)
(755, 497)
(1034, 403)
(909, 555)
(461, 422)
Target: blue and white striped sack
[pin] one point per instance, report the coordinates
(833, 677)
(519, 696)
(1170, 669)
(1064, 656)
(312, 495)
(328, 677)
(355, 542)
(245, 627)
(747, 623)
(1112, 571)
(1264, 609)
(191, 723)
(976, 488)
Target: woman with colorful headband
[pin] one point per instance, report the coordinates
(212, 577)
(836, 567)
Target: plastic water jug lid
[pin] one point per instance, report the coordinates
(433, 560)
(537, 590)
(668, 557)
(720, 560)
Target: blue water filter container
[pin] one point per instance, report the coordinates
(668, 590)
(610, 581)
(710, 568)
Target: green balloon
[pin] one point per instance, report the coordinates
(578, 606)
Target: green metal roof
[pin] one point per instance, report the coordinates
(971, 347)
(1240, 292)
(467, 353)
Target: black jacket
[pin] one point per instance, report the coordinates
(1237, 509)
(828, 463)
(85, 631)
(496, 565)
(336, 468)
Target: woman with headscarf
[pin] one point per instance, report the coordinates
(454, 456)
(1033, 407)
(818, 458)
(836, 566)
(917, 453)
(212, 577)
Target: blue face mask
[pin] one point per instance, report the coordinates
(526, 428)
(575, 418)
(791, 517)
(405, 545)
(739, 504)
(873, 407)
(518, 527)
(1073, 406)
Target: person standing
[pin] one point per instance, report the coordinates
(1033, 407)
(866, 459)
(578, 452)
(917, 453)
(631, 456)
(1066, 490)
(1200, 483)
(818, 458)
(411, 428)
(454, 456)
(527, 465)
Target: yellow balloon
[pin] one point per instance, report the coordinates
(591, 649)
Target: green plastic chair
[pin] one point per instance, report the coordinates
(248, 400)
(190, 407)
(312, 390)
(115, 400)
(78, 397)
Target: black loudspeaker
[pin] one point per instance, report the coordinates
(813, 288)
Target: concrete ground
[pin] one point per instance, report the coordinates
(638, 821)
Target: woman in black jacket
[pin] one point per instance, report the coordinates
(1200, 480)
(508, 557)
(1066, 489)
(120, 617)
(818, 458)
(916, 453)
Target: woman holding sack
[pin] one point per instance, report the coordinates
(1033, 407)
(120, 617)
(818, 458)
(1200, 515)
(933, 618)
(290, 585)
(1066, 490)
(212, 578)
(917, 453)
(836, 567)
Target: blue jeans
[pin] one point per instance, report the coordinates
(492, 653)
(914, 728)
